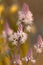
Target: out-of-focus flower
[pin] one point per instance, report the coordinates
(13, 8)
(18, 37)
(39, 44)
(14, 38)
(28, 18)
(40, 41)
(29, 57)
(22, 36)
(20, 27)
(18, 60)
(7, 29)
(38, 50)
(21, 15)
(25, 15)
(25, 8)
(28, 28)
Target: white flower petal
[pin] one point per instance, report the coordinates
(33, 61)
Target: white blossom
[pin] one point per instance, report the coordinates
(28, 18)
(21, 15)
(14, 38)
(23, 36)
(29, 57)
(28, 28)
(39, 45)
(38, 50)
(17, 60)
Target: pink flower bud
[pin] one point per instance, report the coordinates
(17, 60)
(39, 40)
(25, 8)
(30, 54)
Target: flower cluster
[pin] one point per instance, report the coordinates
(17, 60)
(39, 45)
(25, 17)
(24, 23)
(15, 37)
(29, 57)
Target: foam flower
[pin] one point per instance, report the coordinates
(28, 28)
(25, 15)
(39, 45)
(25, 8)
(20, 27)
(22, 36)
(28, 18)
(19, 36)
(17, 60)
(14, 38)
(29, 57)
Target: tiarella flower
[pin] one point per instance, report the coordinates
(28, 28)
(17, 60)
(22, 36)
(28, 18)
(25, 15)
(29, 57)
(7, 29)
(25, 18)
(39, 44)
(18, 37)
(25, 8)
(21, 15)
(20, 27)
(40, 41)
(23, 12)
(14, 38)
(38, 50)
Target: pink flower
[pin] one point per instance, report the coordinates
(22, 36)
(28, 18)
(25, 15)
(20, 27)
(25, 8)
(28, 28)
(21, 15)
(29, 57)
(17, 60)
(7, 29)
(40, 41)
(39, 44)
